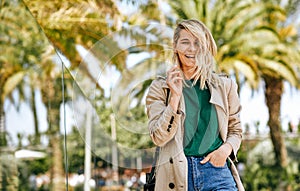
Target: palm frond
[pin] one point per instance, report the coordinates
(277, 69)
(244, 18)
(243, 67)
(11, 83)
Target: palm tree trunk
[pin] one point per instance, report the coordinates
(3, 141)
(57, 173)
(57, 164)
(273, 94)
(37, 137)
(52, 99)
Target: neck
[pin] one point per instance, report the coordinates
(188, 72)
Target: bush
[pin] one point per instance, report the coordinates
(269, 177)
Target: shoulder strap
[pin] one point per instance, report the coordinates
(168, 94)
(155, 159)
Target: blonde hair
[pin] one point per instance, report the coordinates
(205, 57)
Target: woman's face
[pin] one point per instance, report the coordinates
(187, 47)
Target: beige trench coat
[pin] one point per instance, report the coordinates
(167, 130)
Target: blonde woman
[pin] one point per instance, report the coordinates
(198, 130)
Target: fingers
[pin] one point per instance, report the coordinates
(174, 81)
(173, 69)
(206, 159)
(174, 74)
(215, 159)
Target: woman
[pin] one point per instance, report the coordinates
(198, 130)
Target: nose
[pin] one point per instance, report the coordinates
(192, 47)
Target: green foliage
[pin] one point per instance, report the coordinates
(253, 37)
(8, 172)
(39, 166)
(27, 168)
(126, 126)
(261, 173)
(21, 47)
(71, 23)
(75, 153)
(269, 177)
(135, 140)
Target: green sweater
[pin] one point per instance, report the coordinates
(201, 123)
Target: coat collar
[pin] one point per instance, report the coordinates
(217, 95)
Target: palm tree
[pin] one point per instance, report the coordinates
(67, 25)
(235, 25)
(19, 53)
(52, 96)
(9, 78)
(286, 56)
(84, 18)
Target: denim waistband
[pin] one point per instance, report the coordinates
(195, 157)
(199, 158)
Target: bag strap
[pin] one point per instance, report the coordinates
(168, 94)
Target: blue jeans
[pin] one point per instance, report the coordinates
(206, 177)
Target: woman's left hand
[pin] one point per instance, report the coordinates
(219, 156)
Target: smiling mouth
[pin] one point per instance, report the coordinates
(190, 56)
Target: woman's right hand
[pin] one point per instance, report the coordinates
(174, 81)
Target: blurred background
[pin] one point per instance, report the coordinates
(74, 75)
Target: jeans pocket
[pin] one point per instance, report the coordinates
(221, 167)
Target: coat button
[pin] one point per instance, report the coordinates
(171, 160)
(172, 185)
(172, 119)
(169, 127)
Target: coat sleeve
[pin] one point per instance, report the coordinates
(234, 136)
(163, 120)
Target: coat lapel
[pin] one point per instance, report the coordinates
(217, 96)
(219, 99)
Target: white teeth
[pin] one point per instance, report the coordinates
(190, 56)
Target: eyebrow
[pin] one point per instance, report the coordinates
(185, 39)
